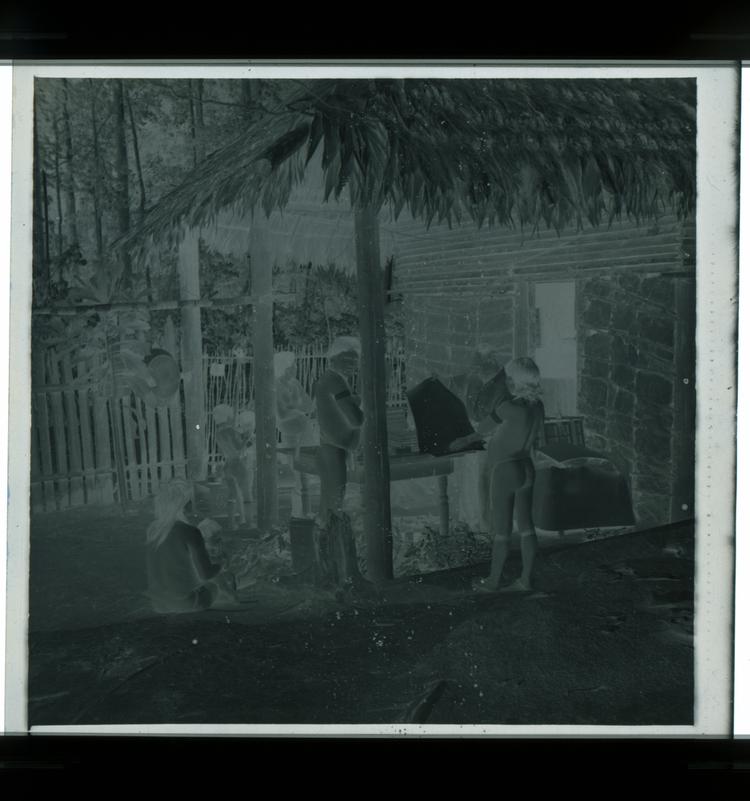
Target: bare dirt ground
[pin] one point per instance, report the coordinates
(605, 639)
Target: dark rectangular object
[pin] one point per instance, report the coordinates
(587, 492)
(440, 417)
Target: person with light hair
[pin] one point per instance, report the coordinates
(470, 490)
(180, 574)
(340, 420)
(233, 441)
(511, 427)
(293, 404)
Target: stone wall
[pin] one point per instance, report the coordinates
(626, 383)
(441, 333)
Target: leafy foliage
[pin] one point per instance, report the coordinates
(509, 152)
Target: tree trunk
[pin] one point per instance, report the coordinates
(376, 490)
(45, 214)
(141, 182)
(192, 356)
(122, 189)
(58, 197)
(137, 158)
(335, 564)
(70, 194)
(261, 264)
(40, 265)
(200, 138)
(97, 183)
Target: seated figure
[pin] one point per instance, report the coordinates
(181, 576)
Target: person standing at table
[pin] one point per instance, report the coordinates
(511, 428)
(340, 420)
(476, 389)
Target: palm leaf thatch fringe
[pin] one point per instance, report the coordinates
(518, 153)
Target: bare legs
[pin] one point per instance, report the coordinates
(510, 489)
(332, 468)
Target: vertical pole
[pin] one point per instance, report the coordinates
(521, 322)
(192, 355)
(261, 265)
(376, 490)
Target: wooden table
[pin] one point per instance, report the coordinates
(403, 467)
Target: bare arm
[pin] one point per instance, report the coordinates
(339, 414)
(196, 547)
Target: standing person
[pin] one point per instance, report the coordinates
(181, 576)
(293, 404)
(340, 419)
(513, 425)
(474, 388)
(233, 442)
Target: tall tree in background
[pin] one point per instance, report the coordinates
(70, 194)
(96, 179)
(40, 263)
(122, 183)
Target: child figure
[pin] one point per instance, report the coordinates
(511, 428)
(233, 441)
(293, 404)
(181, 576)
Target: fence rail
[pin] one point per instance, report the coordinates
(73, 450)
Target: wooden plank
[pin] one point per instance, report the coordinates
(140, 436)
(153, 449)
(104, 482)
(521, 321)
(500, 283)
(261, 259)
(164, 305)
(376, 491)
(473, 271)
(62, 487)
(437, 252)
(164, 461)
(42, 422)
(37, 490)
(191, 356)
(85, 405)
(77, 494)
(131, 460)
(177, 437)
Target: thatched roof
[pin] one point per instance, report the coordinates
(515, 152)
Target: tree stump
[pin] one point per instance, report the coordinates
(336, 566)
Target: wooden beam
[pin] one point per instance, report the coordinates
(161, 305)
(521, 320)
(261, 265)
(376, 490)
(191, 342)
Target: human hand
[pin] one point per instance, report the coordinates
(208, 527)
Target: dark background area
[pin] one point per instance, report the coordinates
(630, 30)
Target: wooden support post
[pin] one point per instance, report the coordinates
(521, 320)
(376, 491)
(261, 264)
(192, 356)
